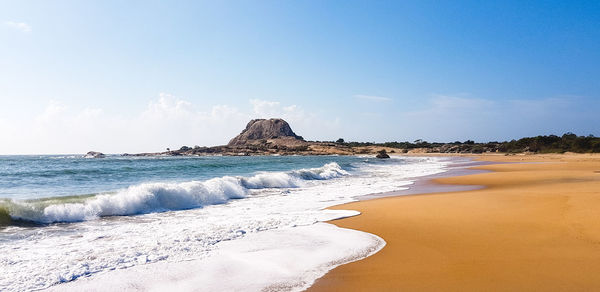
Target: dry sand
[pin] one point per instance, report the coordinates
(535, 227)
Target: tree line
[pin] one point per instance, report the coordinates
(568, 142)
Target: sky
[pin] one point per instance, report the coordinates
(141, 76)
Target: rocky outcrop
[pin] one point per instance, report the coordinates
(262, 131)
(382, 154)
(94, 154)
(275, 137)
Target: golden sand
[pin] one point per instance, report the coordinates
(535, 227)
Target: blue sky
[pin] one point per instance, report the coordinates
(130, 76)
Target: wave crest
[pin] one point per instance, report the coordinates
(160, 197)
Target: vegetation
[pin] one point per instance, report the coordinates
(568, 142)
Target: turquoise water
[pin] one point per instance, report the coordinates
(51, 189)
(34, 177)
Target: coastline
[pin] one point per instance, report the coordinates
(289, 257)
(532, 227)
(426, 184)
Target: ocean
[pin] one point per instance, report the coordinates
(66, 218)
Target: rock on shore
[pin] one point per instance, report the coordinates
(382, 154)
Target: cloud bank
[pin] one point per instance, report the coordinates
(170, 121)
(167, 121)
(20, 26)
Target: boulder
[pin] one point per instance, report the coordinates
(94, 154)
(382, 154)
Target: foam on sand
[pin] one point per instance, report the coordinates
(287, 259)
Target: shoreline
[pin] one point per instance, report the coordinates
(531, 227)
(309, 251)
(426, 184)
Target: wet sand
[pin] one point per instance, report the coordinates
(533, 227)
(457, 166)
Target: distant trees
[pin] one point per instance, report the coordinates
(568, 142)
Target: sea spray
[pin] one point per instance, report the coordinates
(160, 197)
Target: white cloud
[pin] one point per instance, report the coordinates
(373, 98)
(273, 109)
(168, 107)
(21, 26)
(265, 109)
(90, 113)
(170, 121)
(53, 111)
(167, 121)
(307, 124)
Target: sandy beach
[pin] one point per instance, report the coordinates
(534, 227)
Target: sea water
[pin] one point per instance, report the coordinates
(66, 217)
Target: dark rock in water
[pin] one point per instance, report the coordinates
(382, 154)
(262, 129)
(94, 154)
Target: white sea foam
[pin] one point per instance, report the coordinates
(161, 242)
(287, 259)
(160, 197)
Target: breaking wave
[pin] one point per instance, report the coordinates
(157, 197)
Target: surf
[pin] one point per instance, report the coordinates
(158, 197)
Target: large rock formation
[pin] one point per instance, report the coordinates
(261, 131)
